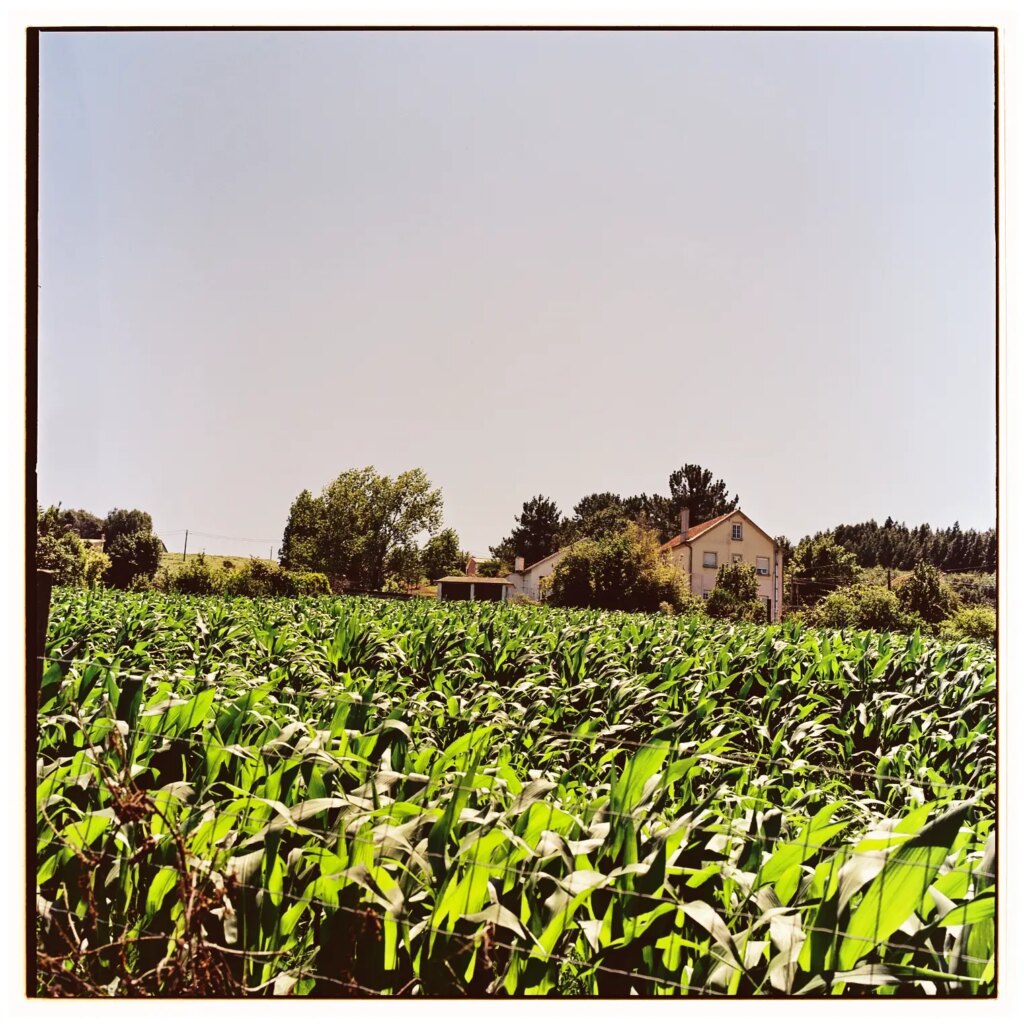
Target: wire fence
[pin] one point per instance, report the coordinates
(744, 942)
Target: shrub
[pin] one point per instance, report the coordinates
(859, 607)
(973, 588)
(58, 548)
(259, 578)
(926, 594)
(620, 572)
(735, 594)
(63, 556)
(313, 584)
(95, 565)
(196, 577)
(975, 622)
(131, 555)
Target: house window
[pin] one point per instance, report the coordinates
(737, 558)
(737, 531)
(710, 559)
(762, 566)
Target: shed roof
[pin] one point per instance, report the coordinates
(494, 581)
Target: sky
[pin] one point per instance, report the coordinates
(529, 263)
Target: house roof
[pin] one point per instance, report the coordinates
(492, 580)
(539, 560)
(695, 531)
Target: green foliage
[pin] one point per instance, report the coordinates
(735, 594)
(974, 622)
(926, 594)
(492, 568)
(441, 556)
(974, 587)
(121, 522)
(860, 607)
(623, 571)
(309, 584)
(819, 565)
(95, 566)
(254, 578)
(537, 533)
(694, 487)
(259, 578)
(63, 555)
(595, 516)
(363, 527)
(131, 555)
(357, 795)
(302, 533)
(196, 576)
(895, 545)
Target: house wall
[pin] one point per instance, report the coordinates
(528, 582)
(690, 558)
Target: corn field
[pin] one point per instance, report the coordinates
(357, 797)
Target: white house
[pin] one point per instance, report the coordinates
(526, 579)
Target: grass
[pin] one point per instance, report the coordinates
(172, 560)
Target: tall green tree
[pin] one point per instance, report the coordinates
(299, 551)
(694, 487)
(537, 532)
(123, 521)
(364, 526)
(131, 546)
(819, 565)
(441, 556)
(595, 515)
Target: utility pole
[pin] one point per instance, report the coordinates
(186, 547)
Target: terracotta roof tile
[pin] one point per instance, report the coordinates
(695, 531)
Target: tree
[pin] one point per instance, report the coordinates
(653, 512)
(537, 532)
(132, 555)
(785, 548)
(819, 565)
(58, 548)
(298, 549)
(623, 572)
(441, 556)
(85, 524)
(926, 594)
(120, 522)
(693, 487)
(595, 515)
(735, 594)
(363, 526)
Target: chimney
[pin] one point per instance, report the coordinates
(684, 521)
(520, 563)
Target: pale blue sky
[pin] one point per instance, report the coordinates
(527, 262)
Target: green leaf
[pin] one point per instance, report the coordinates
(166, 879)
(980, 909)
(900, 887)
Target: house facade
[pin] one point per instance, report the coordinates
(526, 579)
(701, 550)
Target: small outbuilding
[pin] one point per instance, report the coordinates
(472, 588)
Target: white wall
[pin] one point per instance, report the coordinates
(527, 583)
